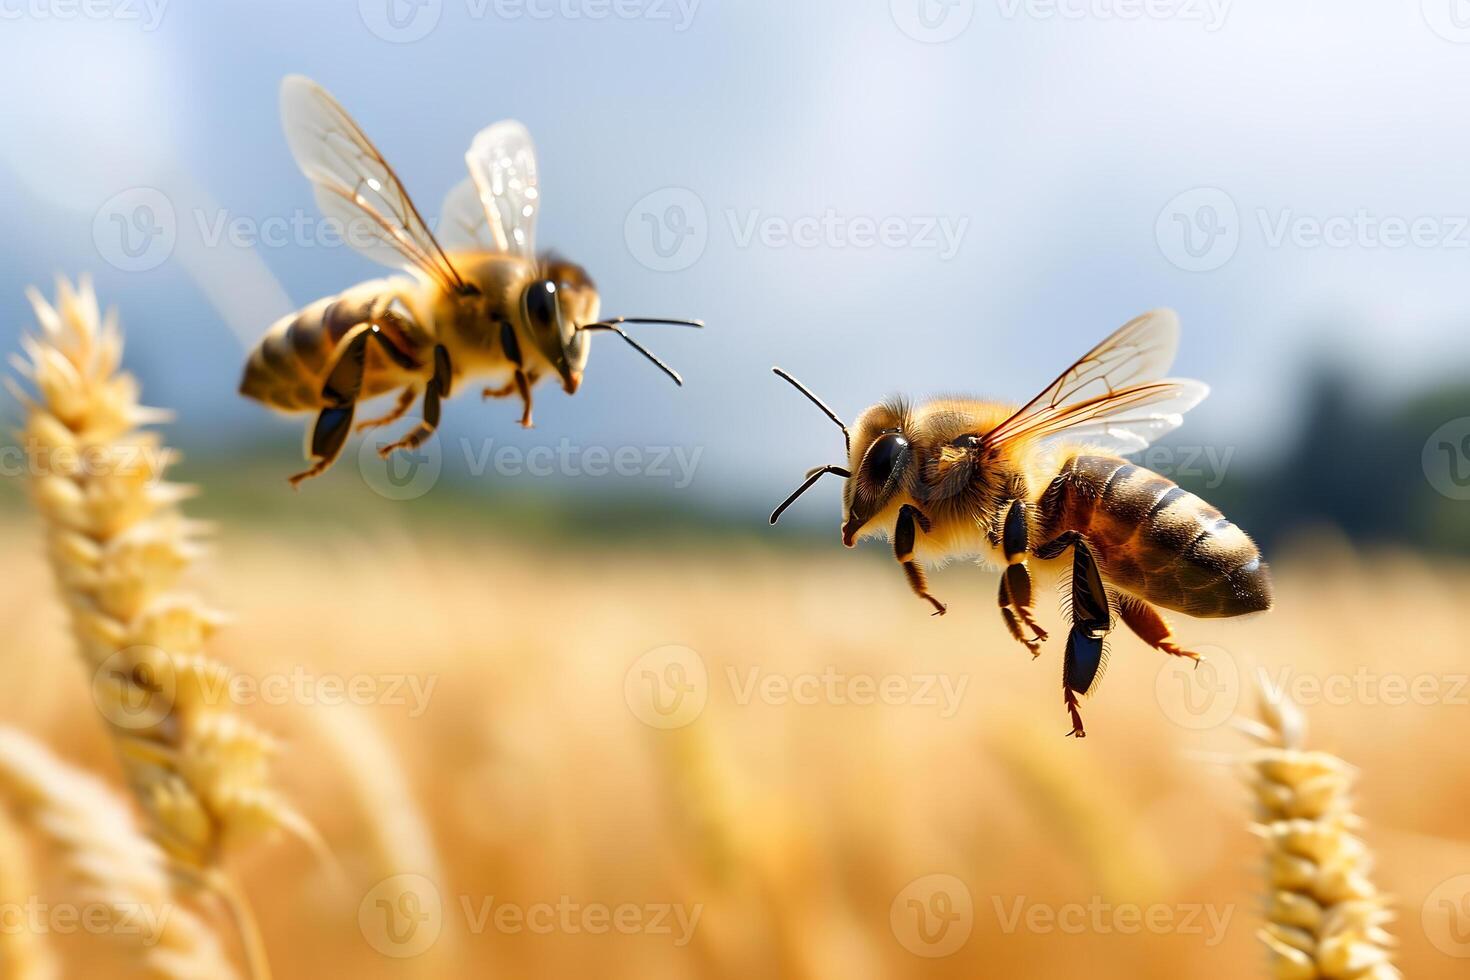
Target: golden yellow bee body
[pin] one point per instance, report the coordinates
(1026, 486)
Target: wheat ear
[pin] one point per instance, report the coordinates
(116, 868)
(1324, 916)
(120, 546)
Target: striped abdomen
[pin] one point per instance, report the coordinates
(287, 368)
(1156, 540)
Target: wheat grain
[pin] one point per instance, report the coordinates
(1324, 916)
(115, 867)
(120, 547)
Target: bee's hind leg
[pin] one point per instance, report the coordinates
(1091, 620)
(1152, 628)
(339, 391)
(436, 390)
(911, 518)
(327, 439)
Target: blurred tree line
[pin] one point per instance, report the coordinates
(1381, 474)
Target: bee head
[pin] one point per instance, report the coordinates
(561, 308)
(881, 461)
(556, 307)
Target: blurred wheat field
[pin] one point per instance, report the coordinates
(801, 829)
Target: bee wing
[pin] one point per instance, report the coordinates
(502, 164)
(353, 183)
(1123, 421)
(463, 224)
(1115, 395)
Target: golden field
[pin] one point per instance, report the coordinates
(472, 711)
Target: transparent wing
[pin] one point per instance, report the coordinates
(1123, 421)
(1115, 395)
(463, 224)
(354, 184)
(502, 163)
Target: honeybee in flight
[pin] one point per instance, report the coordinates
(487, 306)
(956, 477)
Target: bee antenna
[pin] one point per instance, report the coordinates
(649, 319)
(812, 476)
(611, 326)
(846, 436)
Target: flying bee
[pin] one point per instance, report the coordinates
(486, 307)
(956, 477)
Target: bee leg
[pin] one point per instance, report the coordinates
(328, 437)
(523, 387)
(504, 391)
(910, 517)
(405, 399)
(1015, 581)
(340, 392)
(436, 390)
(522, 381)
(1152, 628)
(1091, 620)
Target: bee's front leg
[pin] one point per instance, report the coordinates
(911, 519)
(1092, 618)
(1015, 581)
(522, 381)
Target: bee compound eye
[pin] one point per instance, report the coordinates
(541, 302)
(884, 455)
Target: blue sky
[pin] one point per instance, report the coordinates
(879, 196)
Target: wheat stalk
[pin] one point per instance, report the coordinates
(120, 547)
(116, 868)
(1324, 916)
(23, 954)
